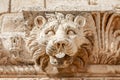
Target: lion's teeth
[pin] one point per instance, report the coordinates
(60, 55)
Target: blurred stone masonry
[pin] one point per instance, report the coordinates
(9, 6)
(15, 15)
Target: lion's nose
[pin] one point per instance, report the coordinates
(60, 44)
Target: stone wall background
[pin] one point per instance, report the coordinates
(10, 6)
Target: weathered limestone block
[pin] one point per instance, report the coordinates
(103, 69)
(4, 6)
(12, 36)
(82, 5)
(19, 5)
(66, 4)
(1, 21)
(110, 4)
(12, 23)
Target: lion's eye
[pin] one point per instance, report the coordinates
(50, 32)
(71, 32)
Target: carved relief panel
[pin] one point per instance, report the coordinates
(60, 42)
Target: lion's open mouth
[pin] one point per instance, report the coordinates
(61, 62)
(60, 55)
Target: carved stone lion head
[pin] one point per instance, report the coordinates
(57, 40)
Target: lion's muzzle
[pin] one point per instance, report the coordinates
(57, 50)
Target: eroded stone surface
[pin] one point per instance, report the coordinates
(1, 21)
(82, 5)
(19, 5)
(4, 6)
(12, 23)
(66, 4)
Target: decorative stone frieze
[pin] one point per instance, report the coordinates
(60, 39)
(59, 43)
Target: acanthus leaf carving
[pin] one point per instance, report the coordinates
(108, 44)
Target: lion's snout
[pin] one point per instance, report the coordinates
(57, 48)
(60, 44)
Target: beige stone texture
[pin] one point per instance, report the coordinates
(111, 4)
(1, 22)
(93, 78)
(66, 4)
(71, 78)
(12, 22)
(4, 6)
(19, 5)
(112, 78)
(82, 5)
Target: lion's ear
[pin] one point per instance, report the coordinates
(39, 21)
(81, 21)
